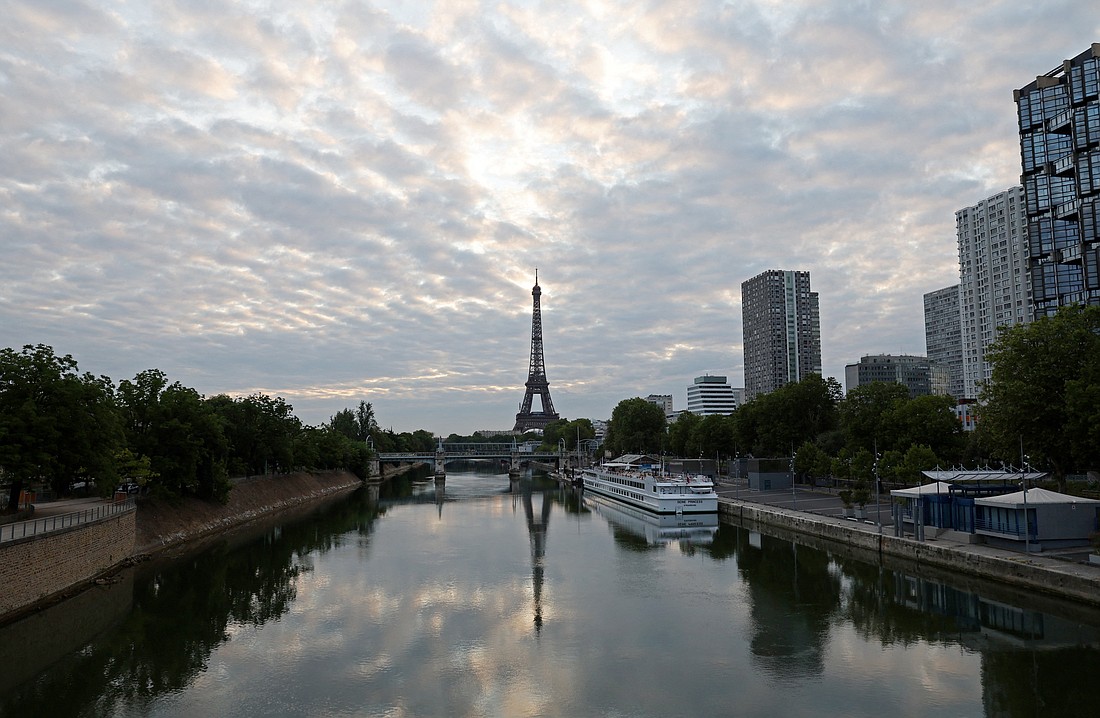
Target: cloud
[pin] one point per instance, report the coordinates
(343, 201)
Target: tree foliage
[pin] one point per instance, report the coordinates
(774, 424)
(56, 425)
(569, 431)
(636, 426)
(1044, 393)
(681, 434)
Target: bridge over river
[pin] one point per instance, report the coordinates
(446, 453)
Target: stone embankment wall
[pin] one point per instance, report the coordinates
(163, 524)
(38, 567)
(1079, 585)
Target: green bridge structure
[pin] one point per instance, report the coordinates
(446, 453)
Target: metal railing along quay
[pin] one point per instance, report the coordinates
(48, 524)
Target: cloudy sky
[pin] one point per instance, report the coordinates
(334, 201)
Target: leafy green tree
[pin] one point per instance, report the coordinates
(364, 421)
(134, 468)
(569, 431)
(889, 465)
(681, 433)
(139, 406)
(345, 423)
(554, 432)
(927, 420)
(772, 424)
(323, 447)
(841, 465)
(865, 412)
(260, 431)
(636, 426)
(713, 437)
(918, 458)
(191, 446)
(807, 459)
(55, 424)
(1043, 392)
(176, 434)
(863, 467)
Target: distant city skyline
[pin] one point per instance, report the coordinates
(336, 202)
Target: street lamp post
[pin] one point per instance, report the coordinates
(794, 496)
(878, 502)
(1023, 485)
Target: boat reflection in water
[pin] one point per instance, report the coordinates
(655, 529)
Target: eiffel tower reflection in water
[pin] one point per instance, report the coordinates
(537, 527)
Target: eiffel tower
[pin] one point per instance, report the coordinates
(536, 375)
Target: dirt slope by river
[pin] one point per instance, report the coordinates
(162, 523)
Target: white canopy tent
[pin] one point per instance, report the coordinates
(936, 487)
(961, 476)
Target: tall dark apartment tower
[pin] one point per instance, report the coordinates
(943, 337)
(782, 330)
(1059, 116)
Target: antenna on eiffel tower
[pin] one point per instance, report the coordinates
(536, 374)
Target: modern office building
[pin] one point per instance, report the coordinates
(943, 337)
(914, 372)
(711, 395)
(782, 330)
(1059, 119)
(994, 282)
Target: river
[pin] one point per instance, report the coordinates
(488, 598)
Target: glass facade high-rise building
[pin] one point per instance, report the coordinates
(994, 281)
(782, 330)
(943, 336)
(1059, 119)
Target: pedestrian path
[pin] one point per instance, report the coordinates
(62, 515)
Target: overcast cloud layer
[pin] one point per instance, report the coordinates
(335, 201)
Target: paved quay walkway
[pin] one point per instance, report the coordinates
(828, 508)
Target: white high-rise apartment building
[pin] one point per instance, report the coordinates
(994, 283)
(711, 395)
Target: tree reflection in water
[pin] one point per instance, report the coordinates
(183, 611)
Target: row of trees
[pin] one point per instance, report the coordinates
(809, 418)
(1043, 399)
(61, 426)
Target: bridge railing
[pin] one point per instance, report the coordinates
(458, 451)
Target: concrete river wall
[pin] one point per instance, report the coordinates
(41, 565)
(37, 569)
(1040, 574)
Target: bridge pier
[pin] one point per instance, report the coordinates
(440, 461)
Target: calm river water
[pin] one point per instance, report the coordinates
(487, 599)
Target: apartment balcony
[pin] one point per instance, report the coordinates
(1066, 165)
(1062, 123)
(1067, 210)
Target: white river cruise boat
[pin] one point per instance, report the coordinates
(652, 490)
